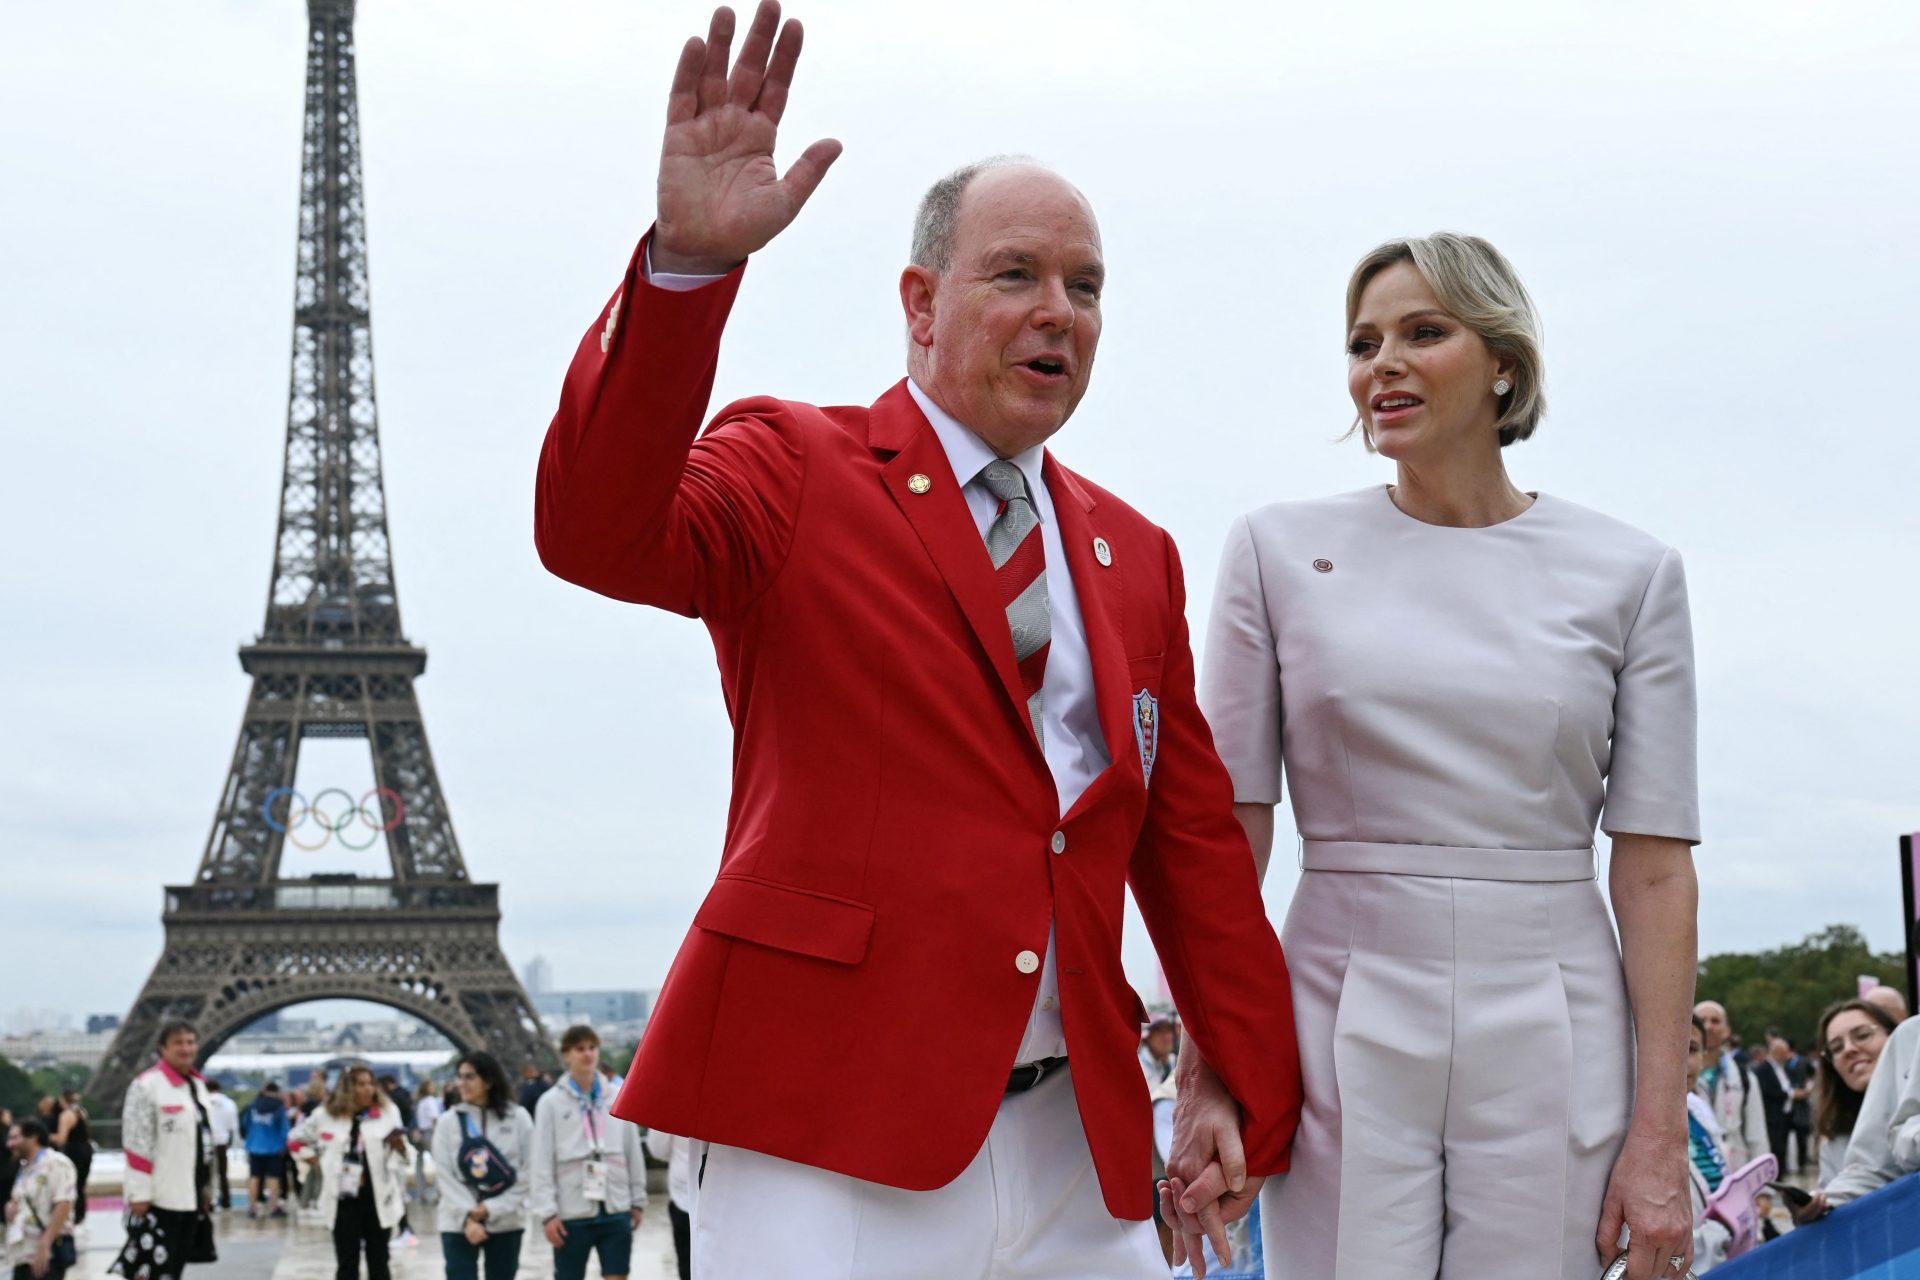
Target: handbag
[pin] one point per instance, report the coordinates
(1618, 1268)
(61, 1253)
(482, 1167)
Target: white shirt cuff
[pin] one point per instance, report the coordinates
(669, 280)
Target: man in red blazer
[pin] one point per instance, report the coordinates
(962, 696)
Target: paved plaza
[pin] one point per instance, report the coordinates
(302, 1249)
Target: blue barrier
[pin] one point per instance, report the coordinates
(1876, 1237)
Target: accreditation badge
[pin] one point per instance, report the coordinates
(593, 1182)
(351, 1172)
(1146, 731)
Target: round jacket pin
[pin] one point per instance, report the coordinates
(1324, 566)
(918, 483)
(1102, 552)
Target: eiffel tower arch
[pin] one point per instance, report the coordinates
(331, 661)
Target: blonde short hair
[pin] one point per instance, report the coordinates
(1479, 288)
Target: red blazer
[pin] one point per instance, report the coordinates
(889, 840)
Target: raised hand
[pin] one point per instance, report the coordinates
(720, 197)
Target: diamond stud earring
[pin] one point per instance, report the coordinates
(1501, 387)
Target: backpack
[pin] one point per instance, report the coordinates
(482, 1167)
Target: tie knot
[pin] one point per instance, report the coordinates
(1004, 480)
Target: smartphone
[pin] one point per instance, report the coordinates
(1794, 1197)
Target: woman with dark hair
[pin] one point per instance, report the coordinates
(1852, 1034)
(482, 1146)
(77, 1146)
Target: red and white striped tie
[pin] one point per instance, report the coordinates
(1020, 563)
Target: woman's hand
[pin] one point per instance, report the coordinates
(1812, 1211)
(476, 1233)
(1648, 1193)
(556, 1232)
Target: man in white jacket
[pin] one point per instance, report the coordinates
(589, 1174)
(1729, 1086)
(167, 1135)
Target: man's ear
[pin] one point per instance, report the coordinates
(918, 286)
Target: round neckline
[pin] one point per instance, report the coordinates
(1386, 494)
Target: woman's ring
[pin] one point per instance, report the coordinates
(1678, 1263)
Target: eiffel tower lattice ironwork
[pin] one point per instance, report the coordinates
(331, 661)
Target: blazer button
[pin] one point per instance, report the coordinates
(1059, 842)
(1026, 962)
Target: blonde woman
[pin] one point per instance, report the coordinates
(360, 1144)
(1459, 679)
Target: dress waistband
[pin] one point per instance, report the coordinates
(1447, 861)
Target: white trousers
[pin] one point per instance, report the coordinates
(1028, 1207)
(1466, 1055)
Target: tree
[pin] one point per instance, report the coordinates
(1788, 988)
(17, 1093)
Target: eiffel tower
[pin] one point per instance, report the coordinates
(331, 661)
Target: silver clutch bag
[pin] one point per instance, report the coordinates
(1619, 1269)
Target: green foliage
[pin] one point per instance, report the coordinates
(1789, 987)
(17, 1093)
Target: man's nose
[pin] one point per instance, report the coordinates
(1054, 310)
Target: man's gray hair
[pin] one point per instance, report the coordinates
(940, 209)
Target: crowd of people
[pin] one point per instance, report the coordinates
(354, 1149)
(1842, 1100)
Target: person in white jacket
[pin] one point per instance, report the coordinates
(1886, 1135)
(676, 1153)
(476, 1219)
(166, 1133)
(1728, 1085)
(360, 1144)
(589, 1174)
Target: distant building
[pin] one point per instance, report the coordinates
(563, 1008)
(98, 1022)
(537, 976)
(47, 1048)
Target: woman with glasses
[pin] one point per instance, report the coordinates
(482, 1146)
(1886, 1132)
(1852, 1034)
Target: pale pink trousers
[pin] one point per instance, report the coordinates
(1466, 1048)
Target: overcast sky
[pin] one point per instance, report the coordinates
(1714, 206)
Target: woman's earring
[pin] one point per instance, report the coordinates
(1501, 387)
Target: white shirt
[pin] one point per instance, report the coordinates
(1075, 746)
(426, 1112)
(223, 1117)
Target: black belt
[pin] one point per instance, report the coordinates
(1028, 1074)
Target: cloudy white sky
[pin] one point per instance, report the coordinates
(1713, 204)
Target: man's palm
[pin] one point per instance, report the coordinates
(721, 198)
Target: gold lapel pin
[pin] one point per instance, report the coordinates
(918, 483)
(1102, 552)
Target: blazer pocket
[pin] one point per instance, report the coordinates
(786, 918)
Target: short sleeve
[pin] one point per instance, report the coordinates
(1240, 681)
(1653, 776)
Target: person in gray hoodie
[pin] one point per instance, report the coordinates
(589, 1173)
(482, 1148)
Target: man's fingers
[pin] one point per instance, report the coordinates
(772, 100)
(1233, 1156)
(805, 173)
(751, 65)
(713, 71)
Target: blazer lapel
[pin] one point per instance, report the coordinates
(940, 516)
(1100, 588)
